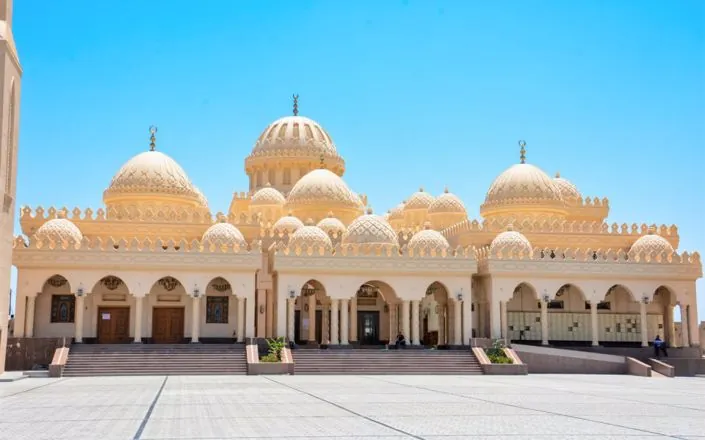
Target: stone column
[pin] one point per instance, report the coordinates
(139, 305)
(415, 324)
(290, 318)
(31, 300)
(467, 322)
(405, 322)
(442, 312)
(684, 325)
(593, 319)
(353, 319)
(240, 319)
(78, 319)
(644, 326)
(505, 324)
(250, 310)
(344, 315)
(312, 319)
(457, 322)
(325, 323)
(272, 325)
(334, 328)
(495, 319)
(544, 322)
(195, 318)
(260, 304)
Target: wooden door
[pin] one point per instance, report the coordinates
(368, 328)
(168, 325)
(113, 325)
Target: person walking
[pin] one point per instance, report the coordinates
(659, 347)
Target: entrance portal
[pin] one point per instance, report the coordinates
(113, 325)
(368, 327)
(168, 325)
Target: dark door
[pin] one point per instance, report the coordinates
(297, 326)
(168, 325)
(319, 327)
(113, 325)
(368, 328)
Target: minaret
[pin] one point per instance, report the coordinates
(10, 77)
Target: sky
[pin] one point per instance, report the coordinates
(414, 93)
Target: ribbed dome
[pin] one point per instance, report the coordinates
(59, 229)
(651, 243)
(294, 136)
(419, 200)
(288, 223)
(511, 239)
(152, 175)
(397, 213)
(370, 229)
(331, 224)
(447, 203)
(225, 234)
(323, 187)
(567, 189)
(268, 196)
(310, 236)
(428, 239)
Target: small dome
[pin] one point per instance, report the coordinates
(511, 239)
(225, 234)
(150, 175)
(651, 243)
(268, 196)
(331, 224)
(370, 229)
(447, 203)
(294, 136)
(59, 229)
(310, 236)
(419, 200)
(568, 190)
(323, 187)
(428, 239)
(288, 223)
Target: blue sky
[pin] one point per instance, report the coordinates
(415, 92)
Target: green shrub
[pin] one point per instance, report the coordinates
(275, 345)
(496, 353)
(269, 358)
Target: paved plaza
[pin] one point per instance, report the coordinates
(353, 407)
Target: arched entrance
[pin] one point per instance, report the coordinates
(312, 314)
(435, 323)
(619, 320)
(110, 302)
(524, 314)
(168, 311)
(377, 314)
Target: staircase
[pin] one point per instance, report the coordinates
(355, 361)
(155, 360)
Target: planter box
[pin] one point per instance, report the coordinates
(517, 368)
(267, 368)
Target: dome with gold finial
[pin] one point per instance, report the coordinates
(651, 243)
(511, 239)
(370, 229)
(419, 200)
(224, 233)
(268, 196)
(331, 225)
(310, 236)
(59, 229)
(320, 192)
(428, 239)
(447, 203)
(568, 190)
(288, 223)
(151, 178)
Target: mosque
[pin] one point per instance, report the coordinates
(301, 255)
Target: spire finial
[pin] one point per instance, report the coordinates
(296, 104)
(152, 137)
(445, 190)
(522, 152)
(322, 158)
(558, 174)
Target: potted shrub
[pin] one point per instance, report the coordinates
(275, 347)
(496, 353)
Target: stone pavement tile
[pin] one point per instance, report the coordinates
(393, 398)
(423, 409)
(68, 413)
(70, 430)
(368, 437)
(244, 410)
(580, 409)
(552, 437)
(670, 425)
(10, 388)
(501, 426)
(229, 399)
(275, 427)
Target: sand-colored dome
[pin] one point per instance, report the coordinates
(268, 196)
(370, 229)
(568, 190)
(511, 239)
(523, 189)
(288, 223)
(651, 243)
(447, 203)
(397, 213)
(152, 176)
(294, 136)
(331, 225)
(310, 236)
(59, 229)
(225, 234)
(322, 191)
(419, 200)
(428, 239)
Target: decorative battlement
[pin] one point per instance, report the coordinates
(590, 202)
(380, 250)
(146, 245)
(309, 149)
(156, 214)
(243, 219)
(242, 195)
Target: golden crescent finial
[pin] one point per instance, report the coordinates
(152, 137)
(522, 152)
(296, 104)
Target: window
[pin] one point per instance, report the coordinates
(63, 308)
(217, 309)
(553, 304)
(602, 305)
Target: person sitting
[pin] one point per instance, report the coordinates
(659, 347)
(401, 341)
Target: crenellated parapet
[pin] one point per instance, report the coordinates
(392, 252)
(162, 214)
